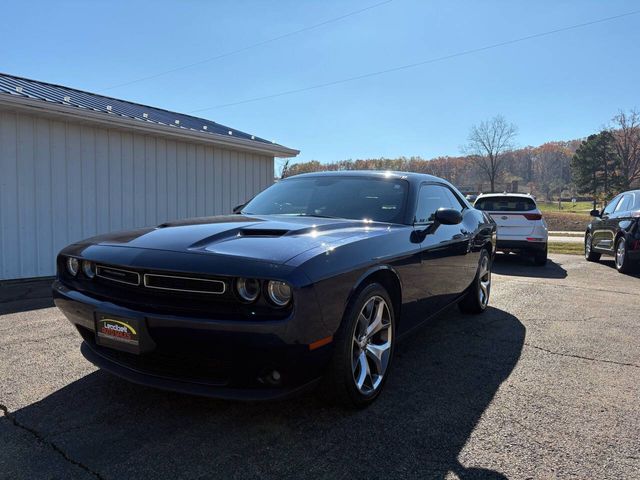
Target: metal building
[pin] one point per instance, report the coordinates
(75, 164)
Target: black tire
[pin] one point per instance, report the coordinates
(340, 383)
(540, 258)
(589, 254)
(476, 299)
(623, 263)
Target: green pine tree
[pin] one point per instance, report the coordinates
(595, 166)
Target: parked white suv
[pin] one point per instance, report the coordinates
(521, 228)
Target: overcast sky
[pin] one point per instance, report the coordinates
(556, 87)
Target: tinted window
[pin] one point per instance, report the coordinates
(377, 199)
(430, 199)
(505, 204)
(636, 205)
(625, 203)
(611, 207)
(453, 199)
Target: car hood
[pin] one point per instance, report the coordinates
(274, 238)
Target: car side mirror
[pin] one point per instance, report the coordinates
(238, 208)
(443, 216)
(448, 216)
(595, 212)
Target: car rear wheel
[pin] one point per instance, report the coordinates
(589, 254)
(540, 258)
(477, 297)
(623, 264)
(364, 346)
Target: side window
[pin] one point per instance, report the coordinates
(611, 207)
(453, 199)
(430, 199)
(625, 204)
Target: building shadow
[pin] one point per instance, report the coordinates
(24, 295)
(522, 266)
(443, 380)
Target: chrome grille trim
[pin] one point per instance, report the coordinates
(197, 279)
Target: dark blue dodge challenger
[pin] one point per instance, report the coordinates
(314, 280)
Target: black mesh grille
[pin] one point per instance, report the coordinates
(184, 284)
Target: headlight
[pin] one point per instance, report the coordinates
(248, 289)
(73, 265)
(279, 292)
(89, 269)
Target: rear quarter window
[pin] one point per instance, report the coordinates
(505, 204)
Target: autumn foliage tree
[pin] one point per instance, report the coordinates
(625, 137)
(550, 170)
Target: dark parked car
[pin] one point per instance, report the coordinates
(315, 279)
(616, 231)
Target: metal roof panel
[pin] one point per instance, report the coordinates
(10, 84)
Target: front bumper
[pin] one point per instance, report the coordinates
(216, 358)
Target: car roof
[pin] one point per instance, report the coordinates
(410, 176)
(505, 194)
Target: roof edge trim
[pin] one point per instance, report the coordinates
(71, 112)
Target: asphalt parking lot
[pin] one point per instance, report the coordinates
(543, 385)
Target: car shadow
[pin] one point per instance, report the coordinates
(611, 263)
(521, 266)
(444, 379)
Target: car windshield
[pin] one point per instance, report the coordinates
(358, 198)
(505, 204)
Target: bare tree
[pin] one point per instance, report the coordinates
(626, 140)
(487, 142)
(284, 169)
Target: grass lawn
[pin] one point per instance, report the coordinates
(566, 221)
(568, 234)
(567, 207)
(570, 248)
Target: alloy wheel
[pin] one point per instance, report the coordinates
(620, 254)
(371, 346)
(587, 246)
(484, 276)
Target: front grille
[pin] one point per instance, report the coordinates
(118, 275)
(170, 293)
(184, 284)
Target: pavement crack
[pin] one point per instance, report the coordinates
(568, 285)
(5, 346)
(561, 354)
(581, 357)
(40, 438)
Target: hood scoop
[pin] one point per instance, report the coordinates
(261, 232)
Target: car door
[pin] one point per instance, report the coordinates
(621, 217)
(466, 260)
(444, 250)
(603, 228)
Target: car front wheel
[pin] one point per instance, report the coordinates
(589, 254)
(364, 346)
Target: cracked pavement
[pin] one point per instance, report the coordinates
(543, 385)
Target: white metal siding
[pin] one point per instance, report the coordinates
(61, 182)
